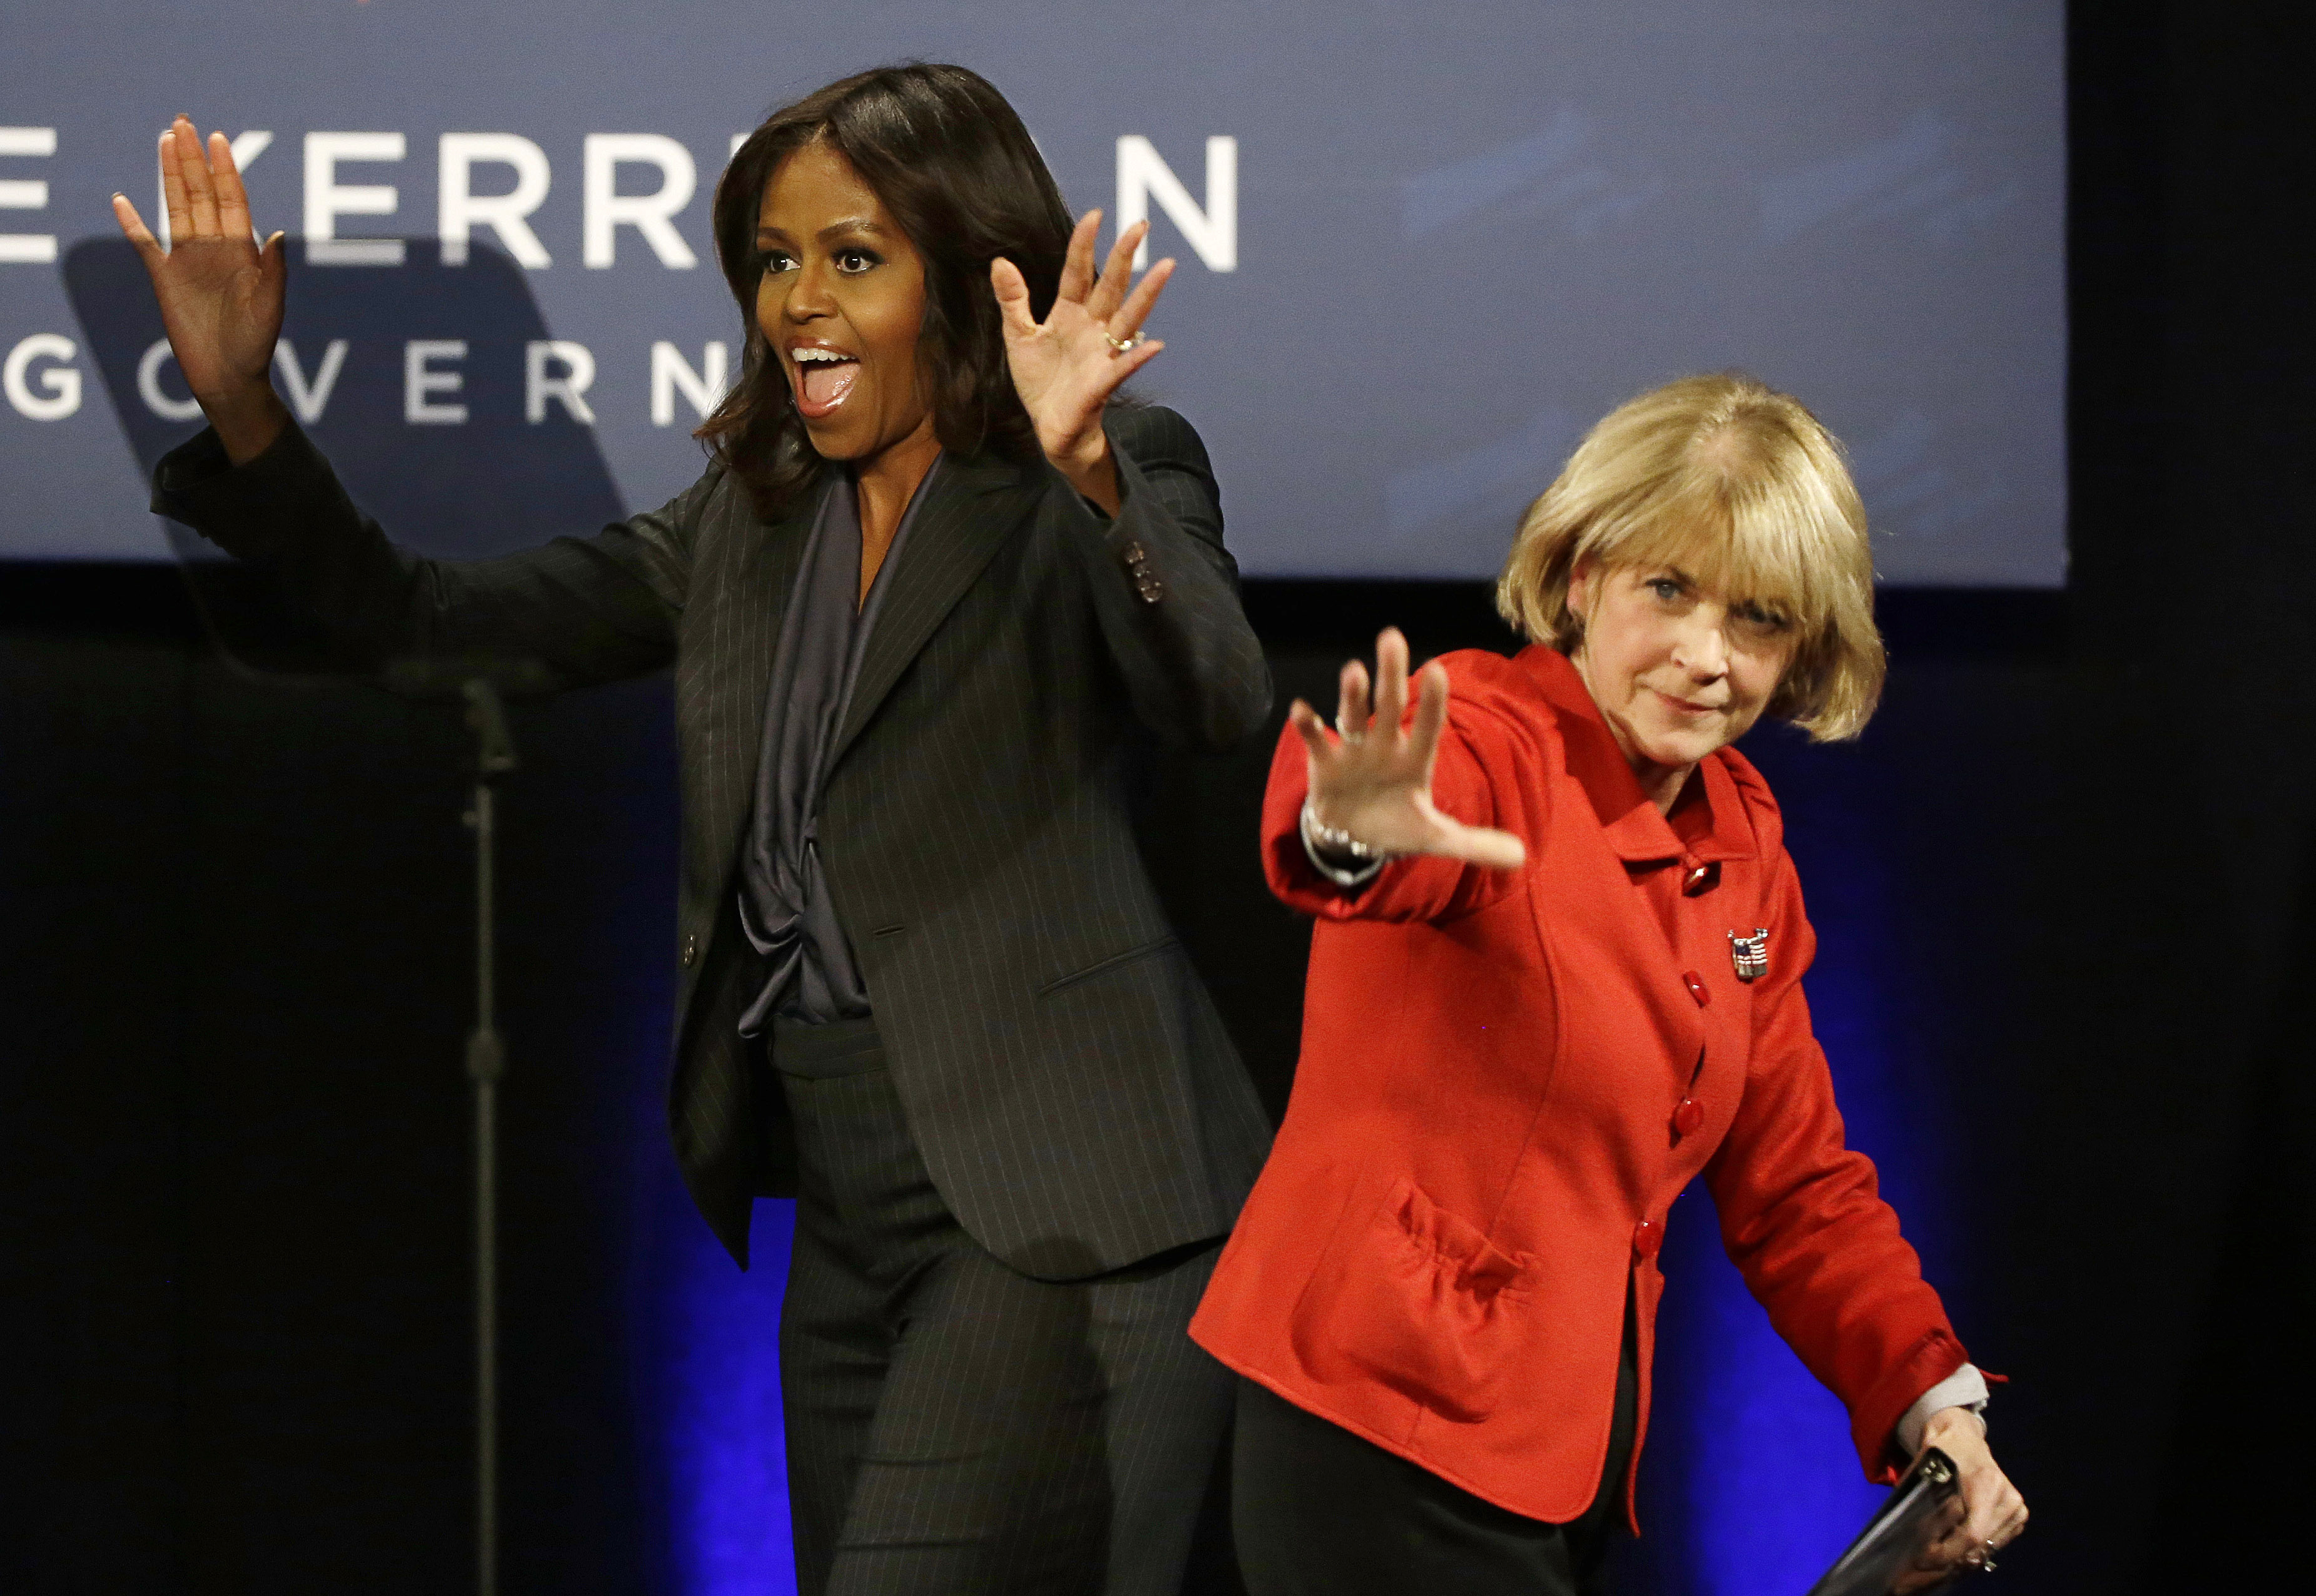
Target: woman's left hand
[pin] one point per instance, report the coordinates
(1066, 366)
(1993, 1512)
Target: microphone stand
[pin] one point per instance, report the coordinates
(494, 756)
(484, 682)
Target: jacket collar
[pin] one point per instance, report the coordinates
(754, 575)
(975, 504)
(1709, 823)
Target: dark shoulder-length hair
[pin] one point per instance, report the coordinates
(960, 176)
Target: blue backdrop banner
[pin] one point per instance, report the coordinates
(1423, 244)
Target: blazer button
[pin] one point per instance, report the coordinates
(1647, 1238)
(1151, 589)
(1688, 1117)
(691, 951)
(1133, 553)
(1698, 879)
(1697, 988)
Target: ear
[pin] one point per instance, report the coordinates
(1580, 588)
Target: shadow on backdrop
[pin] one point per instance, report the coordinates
(363, 350)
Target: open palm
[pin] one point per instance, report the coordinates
(1066, 365)
(1373, 778)
(220, 292)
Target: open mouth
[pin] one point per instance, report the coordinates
(823, 377)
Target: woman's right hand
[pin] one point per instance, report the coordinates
(220, 292)
(1373, 778)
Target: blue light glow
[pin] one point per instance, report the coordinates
(714, 1395)
(1766, 1487)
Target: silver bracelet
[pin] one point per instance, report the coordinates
(1333, 839)
(1320, 839)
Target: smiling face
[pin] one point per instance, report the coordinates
(1678, 669)
(840, 302)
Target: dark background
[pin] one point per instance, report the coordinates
(232, 1139)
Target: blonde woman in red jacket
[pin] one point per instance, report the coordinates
(1555, 977)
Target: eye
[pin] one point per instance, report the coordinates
(1763, 617)
(853, 263)
(1667, 588)
(775, 260)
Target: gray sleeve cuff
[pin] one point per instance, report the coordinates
(1964, 1387)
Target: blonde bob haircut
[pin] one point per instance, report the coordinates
(1740, 488)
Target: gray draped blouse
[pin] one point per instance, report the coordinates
(809, 972)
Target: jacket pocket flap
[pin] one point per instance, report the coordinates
(1479, 1265)
(1419, 1301)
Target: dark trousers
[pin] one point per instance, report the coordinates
(1321, 1511)
(956, 1427)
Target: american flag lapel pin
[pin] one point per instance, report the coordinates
(1750, 954)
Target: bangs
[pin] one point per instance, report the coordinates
(1745, 541)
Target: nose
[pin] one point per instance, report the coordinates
(1701, 648)
(808, 297)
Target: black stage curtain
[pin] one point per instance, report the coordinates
(2159, 1242)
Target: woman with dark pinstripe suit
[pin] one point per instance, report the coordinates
(933, 588)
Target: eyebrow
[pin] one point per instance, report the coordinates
(842, 225)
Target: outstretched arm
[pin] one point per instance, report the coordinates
(1370, 785)
(588, 610)
(1395, 816)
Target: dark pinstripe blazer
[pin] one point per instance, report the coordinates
(1065, 1071)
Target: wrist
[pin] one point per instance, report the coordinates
(1336, 856)
(1334, 839)
(248, 420)
(1085, 463)
(1952, 1420)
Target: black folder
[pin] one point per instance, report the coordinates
(1926, 1505)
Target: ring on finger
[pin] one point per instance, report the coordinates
(1119, 346)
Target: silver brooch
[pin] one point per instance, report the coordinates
(1750, 954)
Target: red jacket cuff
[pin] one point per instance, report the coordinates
(1874, 1422)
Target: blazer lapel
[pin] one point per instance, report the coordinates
(976, 505)
(747, 598)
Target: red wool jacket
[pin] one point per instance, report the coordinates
(1507, 1078)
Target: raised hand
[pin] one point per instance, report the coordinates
(1373, 778)
(220, 292)
(1064, 366)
